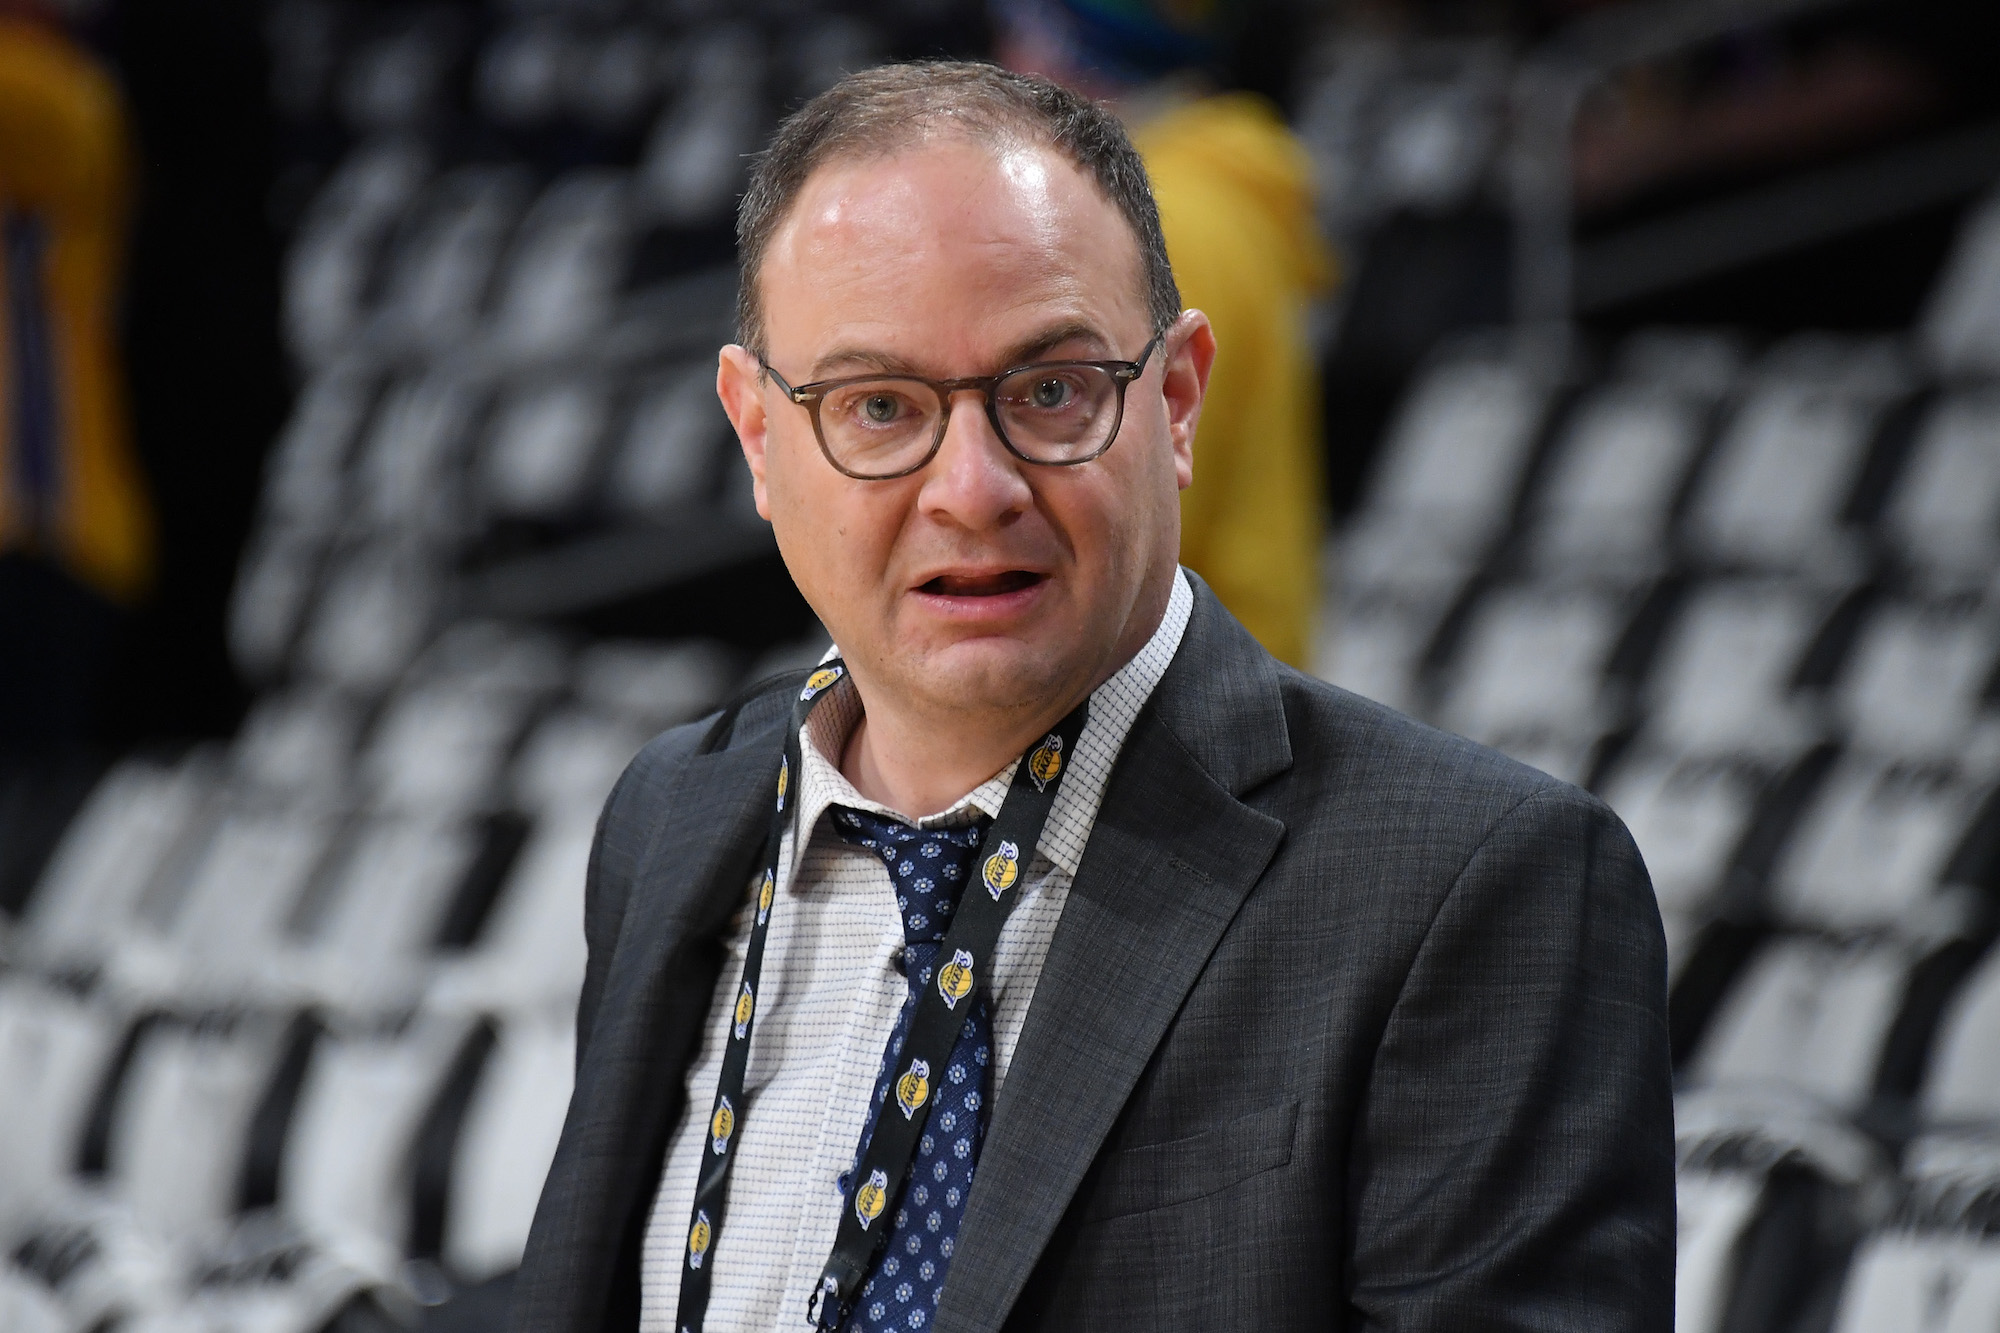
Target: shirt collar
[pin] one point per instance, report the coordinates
(1114, 707)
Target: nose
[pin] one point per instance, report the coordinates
(973, 482)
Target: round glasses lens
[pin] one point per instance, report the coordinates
(1058, 413)
(879, 427)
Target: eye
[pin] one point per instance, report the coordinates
(1049, 394)
(873, 407)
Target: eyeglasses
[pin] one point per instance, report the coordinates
(1054, 413)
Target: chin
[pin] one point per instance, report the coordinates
(995, 672)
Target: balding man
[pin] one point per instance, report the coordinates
(1051, 956)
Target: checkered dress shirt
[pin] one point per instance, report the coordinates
(830, 996)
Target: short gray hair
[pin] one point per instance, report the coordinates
(891, 106)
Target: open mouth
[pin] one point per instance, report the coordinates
(981, 585)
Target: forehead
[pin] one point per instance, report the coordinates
(947, 252)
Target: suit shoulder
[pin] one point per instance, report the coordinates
(652, 771)
(661, 757)
(650, 775)
(1374, 788)
(1377, 758)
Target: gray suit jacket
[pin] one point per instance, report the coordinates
(1348, 1024)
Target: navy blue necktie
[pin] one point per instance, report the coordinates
(929, 868)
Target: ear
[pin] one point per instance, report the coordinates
(738, 383)
(1188, 352)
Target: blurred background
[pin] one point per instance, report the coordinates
(1614, 383)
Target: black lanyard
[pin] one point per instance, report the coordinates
(960, 978)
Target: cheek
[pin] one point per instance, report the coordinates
(1104, 519)
(837, 534)
(799, 486)
(1148, 491)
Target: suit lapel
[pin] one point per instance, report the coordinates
(1170, 859)
(717, 815)
(631, 1082)
(687, 888)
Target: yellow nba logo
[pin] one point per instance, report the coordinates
(914, 1088)
(784, 780)
(1002, 869)
(818, 681)
(872, 1198)
(1046, 762)
(764, 897)
(955, 978)
(698, 1237)
(746, 1004)
(721, 1125)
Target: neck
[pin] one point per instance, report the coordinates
(917, 768)
(917, 760)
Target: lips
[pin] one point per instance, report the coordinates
(981, 585)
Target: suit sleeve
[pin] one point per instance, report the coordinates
(616, 853)
(1513, 1163)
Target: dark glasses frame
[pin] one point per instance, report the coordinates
(809, 396)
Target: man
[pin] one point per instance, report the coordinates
(1055, 958)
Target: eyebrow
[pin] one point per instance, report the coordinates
(866, 359)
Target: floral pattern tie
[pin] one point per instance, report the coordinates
(929, 868)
